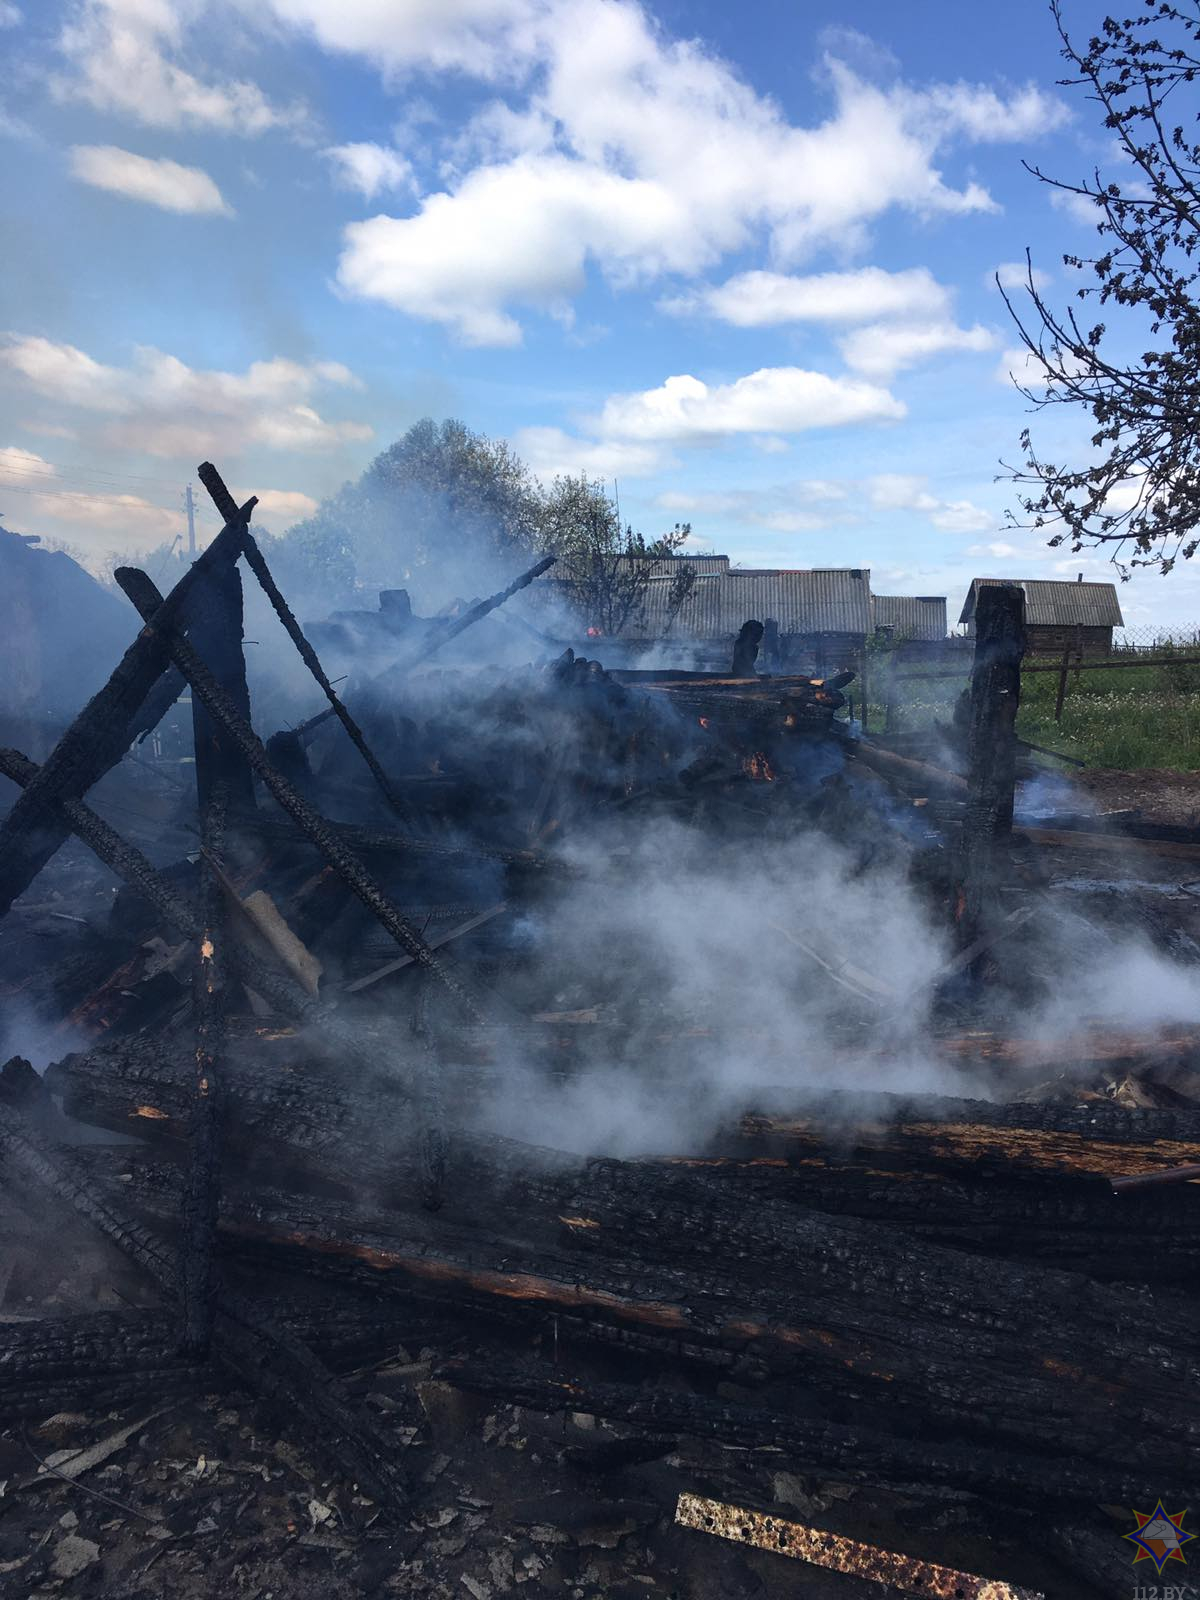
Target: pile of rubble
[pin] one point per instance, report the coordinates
(981, 1306)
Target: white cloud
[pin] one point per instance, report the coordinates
(962, 516)
(980, 113)
(156, 181)
(127, 516)
(802, 491)
(160, 405)
(553, 453)
(999, 551)
(485, 38)
(370, 168)
(1015, 275)
(648, 156)
(279, 508)
(124, 57)
(802, 506)
(883, 349)
(1079, 206)
(773, 400)
(540, 220)
(764, 299)
(895, 491)
(10, 15)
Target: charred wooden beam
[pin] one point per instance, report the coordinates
(377, 841)
(983, 1350)
(145, 596)
(103, 730)
(128, 862)
(993, 699)
(920, 777)
(109, 1358)
(215, 628)
(979, 1136)
(891, 1132)
(854, 1454)
(255, 560)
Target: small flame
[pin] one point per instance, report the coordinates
(759, 768)
(151, 1111)
(595, 633)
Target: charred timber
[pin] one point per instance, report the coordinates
(255, 560)
(983, 1349)
(108, 1358)
(178, 911)
(991, 714)
(852, 1454)
(267, 1358)
(215, 629)
(144, 595)
(103, 730)
(1012, 1181)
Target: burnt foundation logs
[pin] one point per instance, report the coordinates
(1013, 1356)
(855, 1454)
(1025, 1181)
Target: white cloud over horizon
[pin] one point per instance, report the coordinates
(370, 169)
(774, 400)
(768, 299)
(119, 59)
(162, 406)
(649, 158)
(884, 349)
(154, 180)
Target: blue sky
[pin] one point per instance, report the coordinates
(737, 259)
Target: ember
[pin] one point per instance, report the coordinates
(454, 1021)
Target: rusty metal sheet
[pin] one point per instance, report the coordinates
(839, 1554)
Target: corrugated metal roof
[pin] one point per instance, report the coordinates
(668, 566)
(913, 616)
(819, 601)
(1052, 604)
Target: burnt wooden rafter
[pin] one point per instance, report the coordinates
(103, 730)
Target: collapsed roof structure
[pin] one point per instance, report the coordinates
(634, 1042)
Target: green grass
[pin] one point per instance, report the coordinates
(1127, 719)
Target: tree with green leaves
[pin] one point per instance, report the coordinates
(1136, 488)
(443, 507)
(604, 570)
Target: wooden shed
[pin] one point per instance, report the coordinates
(1060, 615)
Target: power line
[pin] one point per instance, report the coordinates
(76, 494)
(51, 483)
(38, 463)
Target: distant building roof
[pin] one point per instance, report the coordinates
(912, 616)
(1054, 604)
(823, 600)
(668, 566)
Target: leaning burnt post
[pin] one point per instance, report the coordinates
(745, 650)
(992, 701)
(215, 627)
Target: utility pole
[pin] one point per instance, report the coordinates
(191, 514)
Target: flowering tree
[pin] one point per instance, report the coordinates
(1137, 490)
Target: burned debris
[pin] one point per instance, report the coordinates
(337, 1076)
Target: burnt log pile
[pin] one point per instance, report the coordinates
(300, 1031)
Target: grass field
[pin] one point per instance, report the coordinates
(1128, 718)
